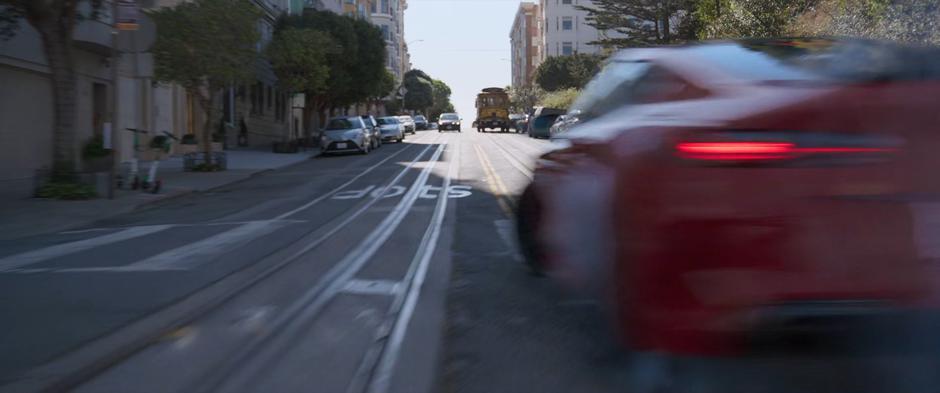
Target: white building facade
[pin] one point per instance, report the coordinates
(389, 16)
(565, 30)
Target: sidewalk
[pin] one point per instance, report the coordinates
(27, 217)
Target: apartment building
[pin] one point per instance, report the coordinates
(564, 29)
(389, 15)
(525, 37)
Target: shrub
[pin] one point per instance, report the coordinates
(66, 191)
(561, 99)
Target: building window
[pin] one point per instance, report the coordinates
(384, 7)
(567, 23)
(373, 7)
(566, 1)
(566, 49)
(385, 33)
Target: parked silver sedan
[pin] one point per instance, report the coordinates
(408, 122)
(346, 134)
(391, 128)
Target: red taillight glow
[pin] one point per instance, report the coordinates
(754, 150)
(735, 150)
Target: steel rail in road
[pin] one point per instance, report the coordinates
(243, 366)
(84, 364)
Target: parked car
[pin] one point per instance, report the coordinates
(346, 134)
(515, 119)
(542, 120)
(729, 195)
(421, 122)
(448, 121)
(563, 124)
(376, 137)
(408, 123)
(391, 128)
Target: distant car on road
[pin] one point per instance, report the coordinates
(346, 134)
(391, 128)
(376, 133)
(408, 123)
(421, 122)
(448, 121)
(541, 122)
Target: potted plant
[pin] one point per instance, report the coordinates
(95, 158)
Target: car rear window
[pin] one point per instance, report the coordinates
(820, 59)
(387, 120)
(343, 124)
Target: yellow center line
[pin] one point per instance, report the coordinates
(497, 187)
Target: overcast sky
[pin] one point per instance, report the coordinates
(465, 44)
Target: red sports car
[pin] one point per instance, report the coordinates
(723, 195)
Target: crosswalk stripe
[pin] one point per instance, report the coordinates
(194, 254)
(32, 257)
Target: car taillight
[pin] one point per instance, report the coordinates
(776, 147)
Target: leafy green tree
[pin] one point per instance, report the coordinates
(206, 46)
(524, 98)
(341, 62)
(641, 22)
(564, 72)
(420, 86)
(442, 102)
(749, 18)
(356, 68)
(910, 21)
(371, 75)
(299, 58)
(55, 22)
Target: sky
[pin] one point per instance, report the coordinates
(464, 43)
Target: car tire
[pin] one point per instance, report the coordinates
(400, 139)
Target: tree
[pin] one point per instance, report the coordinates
(371, 75)
(299, 59)
(206, 46)
(55, 21)
(357, 67)
(749, 18)
(420, 86)
(442, 104)
(563, 72)
(909, 21)
(524, 98)
(640, 22)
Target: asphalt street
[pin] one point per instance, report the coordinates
(388, 272)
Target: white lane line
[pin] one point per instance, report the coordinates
(197, 253)
(405, 304)
(187, 225)
(372, 287)
(342, 186)
(258, 354)
(32, 257)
